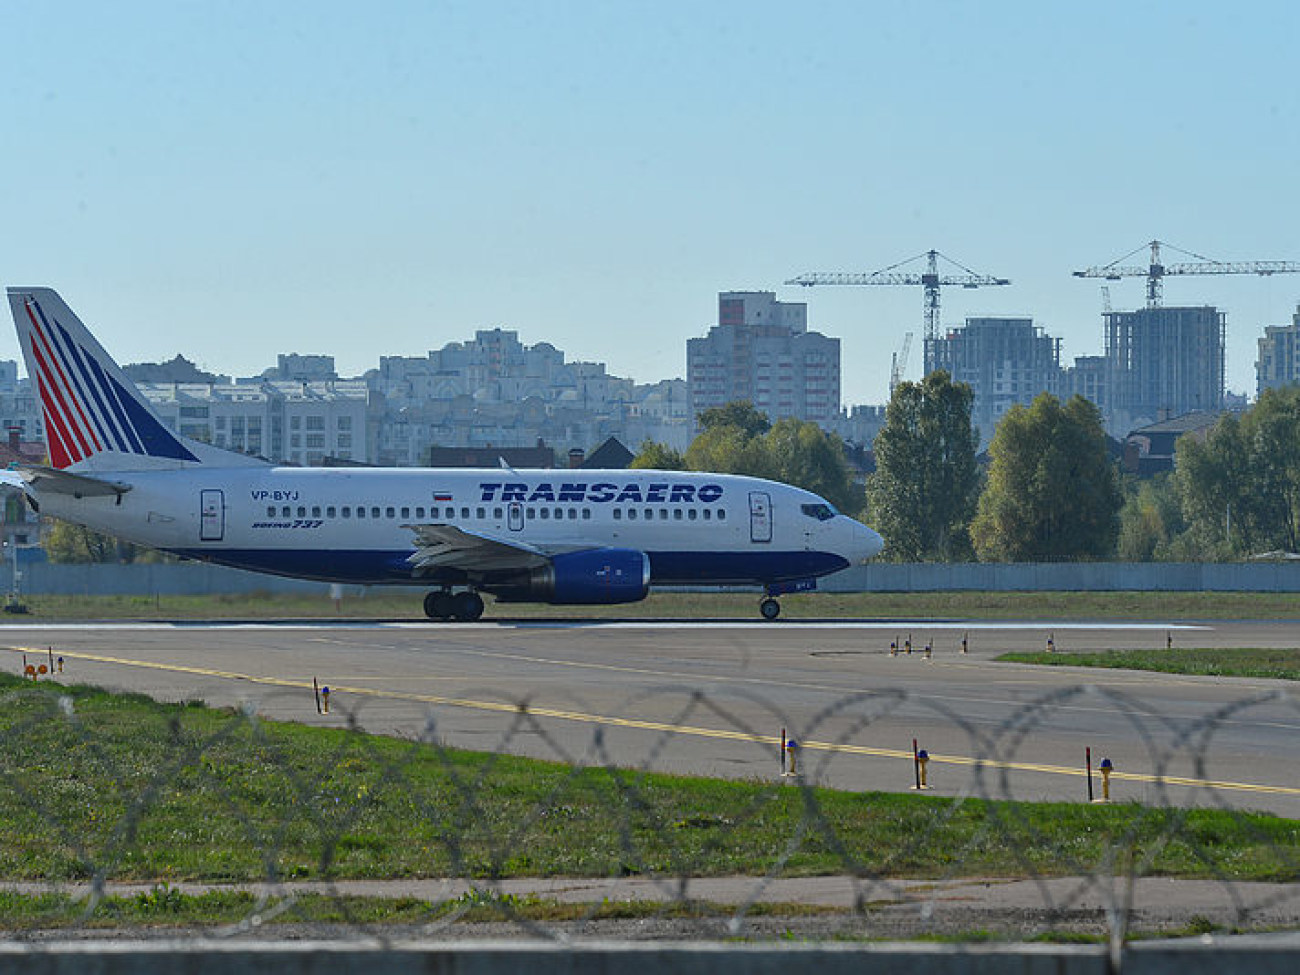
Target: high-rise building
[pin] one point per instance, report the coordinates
(1279, 355)
(761, 351)
(1164, 362)
(1005, 360)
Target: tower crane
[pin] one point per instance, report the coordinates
(1157, 270)
(899, 363)
(929, 279)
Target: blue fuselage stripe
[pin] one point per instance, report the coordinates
(371, 567)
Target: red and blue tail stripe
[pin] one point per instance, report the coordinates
(88, 411)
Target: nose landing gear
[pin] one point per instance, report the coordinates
(443, 604)
(770, 608)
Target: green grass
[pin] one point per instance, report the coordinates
(1272, 663)
(130, 789)
(164, 906)
(661, 605)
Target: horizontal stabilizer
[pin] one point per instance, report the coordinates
(47, 480)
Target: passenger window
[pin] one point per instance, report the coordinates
(559, 513)
(391, 512)
(707, 514)
(691, 514)
(284, 512)
(631, 514)
(618, 514)
(677, 514)
(481, 513)
(419, 511)
(329, 512)
(531, 513)
(496, 513)
(347, 512)
(573, 514)
(406, 512)
(663, 514)
(546, 513)
(361, 512)
(464, 513)
(722, 514)
(270, 512)
(586, 514)
(302, 511)
(374, 512)
(315, 511)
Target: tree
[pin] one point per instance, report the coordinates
(729, 450)
(66, 542)
(803, 454)
(658, 457)
(922, 494)
(738, 439)
(1240, 487)
(1151, 521)
(739, 413)
(1053, 491)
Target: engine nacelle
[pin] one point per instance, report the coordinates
(601, 575)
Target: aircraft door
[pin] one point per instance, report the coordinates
(212, 515)
(760, 516)
(516, 512)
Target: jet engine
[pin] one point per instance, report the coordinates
(600, 575)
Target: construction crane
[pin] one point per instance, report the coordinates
(899, 363)
(1157, 270)
(930, 279)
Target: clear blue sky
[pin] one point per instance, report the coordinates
(232, 180)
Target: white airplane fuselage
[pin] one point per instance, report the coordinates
(352, 525)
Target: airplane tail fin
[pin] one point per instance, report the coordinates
(95, 418)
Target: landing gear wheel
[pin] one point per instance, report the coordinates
(770, 608)
(439, 605)
(469, 605)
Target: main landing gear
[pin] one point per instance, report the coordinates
(443, 604)
(770, 608)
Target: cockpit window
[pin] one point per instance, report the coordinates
(822, 512)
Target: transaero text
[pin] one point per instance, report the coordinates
(602, 492)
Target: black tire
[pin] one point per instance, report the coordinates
(439, 605)
(469, 605)
(770, 608)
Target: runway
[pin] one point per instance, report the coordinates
(713, 697)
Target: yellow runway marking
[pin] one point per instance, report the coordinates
(507, 707)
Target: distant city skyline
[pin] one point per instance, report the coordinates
(236, 180)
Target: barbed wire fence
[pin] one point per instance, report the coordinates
(113, 826)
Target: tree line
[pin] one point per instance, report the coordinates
(1051, 488)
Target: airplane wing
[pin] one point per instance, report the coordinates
(449, 547)
(52, 481)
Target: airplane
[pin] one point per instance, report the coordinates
(565, 537)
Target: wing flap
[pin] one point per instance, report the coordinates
(446, 546)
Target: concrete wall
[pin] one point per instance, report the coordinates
(1068, 577)
(192, 578)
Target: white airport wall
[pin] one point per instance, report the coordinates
(1068, 577)
(193, 578)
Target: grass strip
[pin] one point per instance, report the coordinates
(166, 907)
(1269, 663)
(386, 604)
(125, 788)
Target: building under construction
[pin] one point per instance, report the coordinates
(1163, 362)
(1005, 361)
